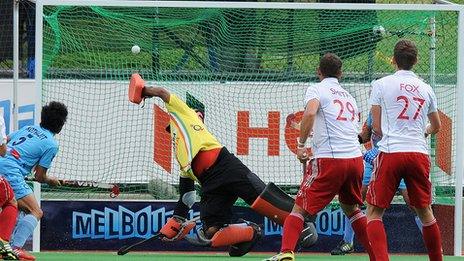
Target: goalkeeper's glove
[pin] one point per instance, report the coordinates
(370, 155)
(176, 228)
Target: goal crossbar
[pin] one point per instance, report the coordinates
(254, 5)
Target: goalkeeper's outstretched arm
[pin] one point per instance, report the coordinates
(156, 92)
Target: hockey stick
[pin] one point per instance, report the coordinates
(126, 248)
(114, 188)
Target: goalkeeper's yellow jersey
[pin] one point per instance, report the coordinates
(189, 135)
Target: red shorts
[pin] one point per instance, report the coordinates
(327, 177)
(6, 192)
(390, 168)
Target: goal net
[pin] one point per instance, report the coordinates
(249, 68)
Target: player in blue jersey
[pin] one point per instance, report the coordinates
(32, 148)
(346, 246)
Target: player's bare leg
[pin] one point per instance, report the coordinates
(358, 223)
(376, 232)
(30, 205)
(404, 193)
(364, 192)
(346, 245)
(430, 233)
(26, 225)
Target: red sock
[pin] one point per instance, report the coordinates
(293, 226)
(359, 223)
(432, 239)
(8, 220)
(378, 239)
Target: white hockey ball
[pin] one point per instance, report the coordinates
(135, 49)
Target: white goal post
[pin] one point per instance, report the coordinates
(458, 157)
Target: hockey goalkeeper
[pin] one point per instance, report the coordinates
(223, 179)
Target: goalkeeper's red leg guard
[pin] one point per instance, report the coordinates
(266, 208)
(232, 234)
(274, 204)
(171, 228)
(175, 230)
(187, 226)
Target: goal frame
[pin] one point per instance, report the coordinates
(459, 157)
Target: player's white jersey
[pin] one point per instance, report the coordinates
(337, 121)
(406, 101)
(2, 131)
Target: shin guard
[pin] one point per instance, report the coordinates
(273, 203)
(240, 237)
(232, 234)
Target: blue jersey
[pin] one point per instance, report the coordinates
(29, 146)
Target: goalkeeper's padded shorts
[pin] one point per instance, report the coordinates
(225, 181)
